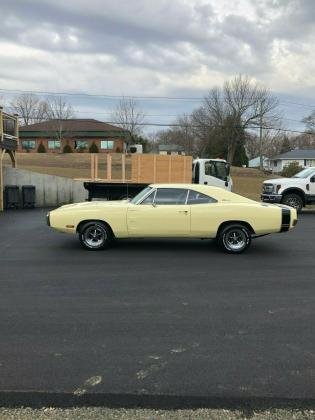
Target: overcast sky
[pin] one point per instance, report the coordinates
(158, 48)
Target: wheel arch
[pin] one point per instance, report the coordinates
(83, 222)
(294, 190)
(235, 222)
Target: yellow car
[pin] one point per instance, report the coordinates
(173, 211)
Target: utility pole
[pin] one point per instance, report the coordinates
(261, 163)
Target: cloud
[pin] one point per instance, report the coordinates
(155, 48)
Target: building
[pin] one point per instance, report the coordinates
(255, 163)
(75, 135)
(9, 134)
(304, 157)
(171, 149)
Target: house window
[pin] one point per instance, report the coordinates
(107, 144)
(275, 163)
(81, 144)
(53, 144)
(28, 144)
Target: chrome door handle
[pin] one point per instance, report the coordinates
(183, 211)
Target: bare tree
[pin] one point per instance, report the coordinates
(239, 105)
(30, 108)
(57, 111)
(129, 116)
(309, 121)
(181, 135)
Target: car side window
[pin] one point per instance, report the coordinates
(195, 197)
(149, 199)
(168, 196)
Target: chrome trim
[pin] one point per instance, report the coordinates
(152, 191)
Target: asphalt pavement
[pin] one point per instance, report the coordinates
(160, 323)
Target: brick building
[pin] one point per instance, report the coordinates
(78, 134)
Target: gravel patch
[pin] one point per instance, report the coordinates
(142, 414)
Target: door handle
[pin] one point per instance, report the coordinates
(183, 211)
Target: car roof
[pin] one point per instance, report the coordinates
(215, 192)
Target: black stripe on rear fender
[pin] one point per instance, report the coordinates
(286, 220)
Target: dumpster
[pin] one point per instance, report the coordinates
(28, 196)
(11, 197)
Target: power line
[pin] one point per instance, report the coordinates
(107, 96)
(94, 95)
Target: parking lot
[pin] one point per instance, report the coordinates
(154, 322)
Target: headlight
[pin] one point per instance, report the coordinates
(268, 188)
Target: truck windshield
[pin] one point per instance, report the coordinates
(305, 173)
(140, 195)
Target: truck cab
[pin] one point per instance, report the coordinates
(297, 191)
(214, 172)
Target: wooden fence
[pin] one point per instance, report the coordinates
(145, 168)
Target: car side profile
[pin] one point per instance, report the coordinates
(174, 211)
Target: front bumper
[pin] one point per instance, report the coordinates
(271, 198)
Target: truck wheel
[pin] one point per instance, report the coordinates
(234, 238)
(95, 236)
(293, 200)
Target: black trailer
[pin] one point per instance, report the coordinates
(112, 190)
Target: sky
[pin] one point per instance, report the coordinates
(161, 48)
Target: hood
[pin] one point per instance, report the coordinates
(91, 204)
(285, 181)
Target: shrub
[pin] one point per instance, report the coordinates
(93, 148)
(291, 169)
(67, 149)
(41, 148)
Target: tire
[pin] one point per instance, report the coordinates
(293, 200)
(234, 238)
(95, 236)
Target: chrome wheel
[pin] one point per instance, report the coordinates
(234, 238)
(94, 235)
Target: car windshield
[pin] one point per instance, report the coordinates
(141, 194)
(305, 173)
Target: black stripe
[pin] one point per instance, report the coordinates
(286, 219)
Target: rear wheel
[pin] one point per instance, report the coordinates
(95, 236)
(293, 200)
(234, 238)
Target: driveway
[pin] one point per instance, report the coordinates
(160, 323)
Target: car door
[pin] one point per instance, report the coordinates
(164, 213)
(205, 213)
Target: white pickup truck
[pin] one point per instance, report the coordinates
(297, 191)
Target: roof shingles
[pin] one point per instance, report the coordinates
(72, 125)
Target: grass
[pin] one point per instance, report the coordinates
(246, 181)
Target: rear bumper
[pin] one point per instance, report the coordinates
(271, 198)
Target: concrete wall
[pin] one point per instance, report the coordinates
(50, 190)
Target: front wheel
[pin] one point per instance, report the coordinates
(234, 238)
(95, 236)
(293, 200)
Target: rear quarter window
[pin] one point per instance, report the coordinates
(195, 197)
